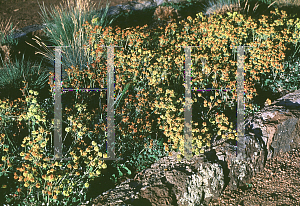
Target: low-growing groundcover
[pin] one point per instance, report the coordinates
(130, 151)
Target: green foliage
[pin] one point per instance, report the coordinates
(289, 80)
(115, 178)
(150, 155)
(7, 193)
(139, 157)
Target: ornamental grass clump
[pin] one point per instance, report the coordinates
(65, 21)
(40, 179)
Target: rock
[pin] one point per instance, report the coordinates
(134, 6)
(198, 181)
(22, 33)
(167, 183)
(165, 13)
(219, 9)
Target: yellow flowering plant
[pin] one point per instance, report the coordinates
(169, 96)
(40, 179)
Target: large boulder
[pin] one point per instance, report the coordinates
(169, 182)
(269, 132)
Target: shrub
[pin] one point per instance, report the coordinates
(167, 104)
(41, 180)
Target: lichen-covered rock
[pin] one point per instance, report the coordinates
(170, 182)
(204, 186)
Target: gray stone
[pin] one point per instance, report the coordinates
(22, 33)
(134, 6)
(168, 182)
